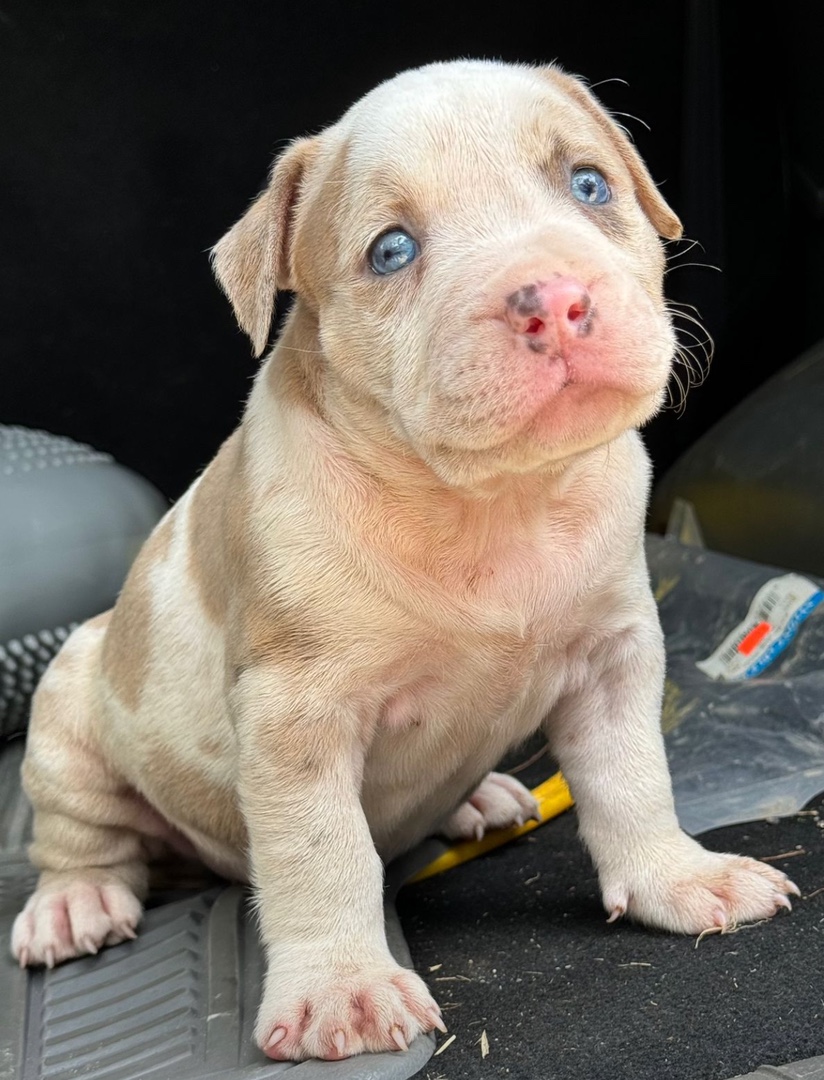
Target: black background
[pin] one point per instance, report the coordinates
(133, 134)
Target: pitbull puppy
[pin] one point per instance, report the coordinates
(423, 542)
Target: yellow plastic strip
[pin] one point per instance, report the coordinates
(553, 798)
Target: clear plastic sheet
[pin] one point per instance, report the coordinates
(741, 750)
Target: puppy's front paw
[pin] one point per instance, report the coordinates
(687, 890)
(333, 1014)
(498, 802)
(70, 917)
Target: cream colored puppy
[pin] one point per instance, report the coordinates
(424, 541)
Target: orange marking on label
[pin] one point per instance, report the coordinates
(754, 638)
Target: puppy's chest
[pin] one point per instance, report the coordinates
(526, 591)
(514, 634)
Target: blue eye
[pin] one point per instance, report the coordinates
(393, 251)
(588, 186)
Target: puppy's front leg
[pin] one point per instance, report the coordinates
(608, 741)
(332, 986)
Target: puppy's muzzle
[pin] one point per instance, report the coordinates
(559, 310)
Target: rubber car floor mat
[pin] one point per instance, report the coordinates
(809, 1069)
(179, 1002)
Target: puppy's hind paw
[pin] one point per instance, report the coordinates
(499, 802)
(72, 917)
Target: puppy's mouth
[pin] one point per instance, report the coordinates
(553, 373)
(561, 369)
(504, 395)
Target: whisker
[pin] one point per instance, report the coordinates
(675, 304)
(683, 266)
(603, 82)
(680, 254)
(629, 116)
(694, 371)
(685, 329)
(676, 309)
(677, 404)
(691, 336)
(693, 354)
(691, 319)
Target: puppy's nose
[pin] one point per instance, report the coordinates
(562, 306)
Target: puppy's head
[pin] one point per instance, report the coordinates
(479, 246)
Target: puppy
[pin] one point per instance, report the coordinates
(423, 542)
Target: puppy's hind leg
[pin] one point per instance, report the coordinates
(90, 827)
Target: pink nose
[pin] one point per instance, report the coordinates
(561, 307)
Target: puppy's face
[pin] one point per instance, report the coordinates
(479, 245)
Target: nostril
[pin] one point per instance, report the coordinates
(579, 310)
(534, 326)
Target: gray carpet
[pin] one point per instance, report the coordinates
(516, 945)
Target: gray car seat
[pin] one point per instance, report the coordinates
(71, 522)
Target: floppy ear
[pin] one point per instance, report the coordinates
(252, 261)
(654, 206)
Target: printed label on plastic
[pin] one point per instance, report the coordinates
(778, 609)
